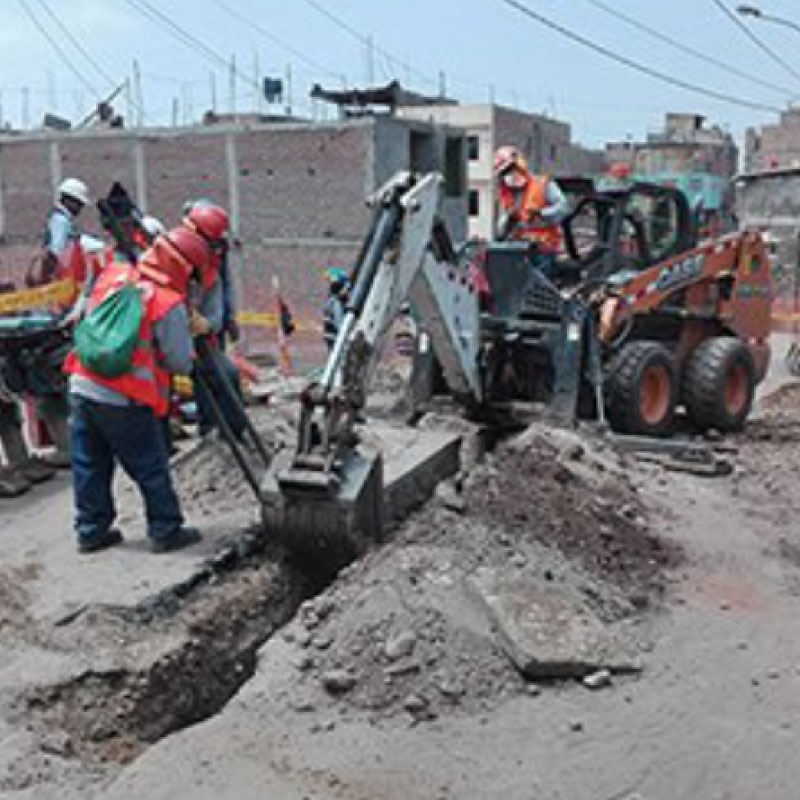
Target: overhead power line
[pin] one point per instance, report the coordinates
(367, 41)
(192, 42)
(77, 44)
(636, 65)
(685, 48)
(306, 59)
(758, 42)
(62, 54)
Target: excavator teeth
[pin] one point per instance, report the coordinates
(307, 481)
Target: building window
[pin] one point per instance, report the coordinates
(474, 203)
(553, 152)
(454, 167)
(473, 148)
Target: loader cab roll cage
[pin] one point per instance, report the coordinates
(628, 229)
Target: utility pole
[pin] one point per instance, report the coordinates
(175, 110)
(258, 101)
(128, 102)
(288, 90)
(212, 80)
(138, 94)
(442, 84)
(232, 87)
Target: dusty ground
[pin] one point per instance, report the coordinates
(393, 681)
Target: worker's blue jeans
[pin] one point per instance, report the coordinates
(103, 434)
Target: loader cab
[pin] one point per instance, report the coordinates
(609, 233)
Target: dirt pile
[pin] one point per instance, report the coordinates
(208, 479)
(402, 631)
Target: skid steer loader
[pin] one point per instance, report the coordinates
(639, 321)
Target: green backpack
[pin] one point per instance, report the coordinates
(107, 337)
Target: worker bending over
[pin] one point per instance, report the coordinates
(212, 297)
(118, 418)
(532, 207)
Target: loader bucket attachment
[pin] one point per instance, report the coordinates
(325, 519)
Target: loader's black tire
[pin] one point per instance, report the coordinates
(719, 384)
(642, 390)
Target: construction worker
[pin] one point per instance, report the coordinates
(532, 207)
(62, 258)
(213, 300)
(335, 304)
(62, 255)
(117, 418)
(212, 222)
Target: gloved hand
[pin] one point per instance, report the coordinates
(233, 330)
(199, 325)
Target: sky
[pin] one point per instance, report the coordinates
(477, 49)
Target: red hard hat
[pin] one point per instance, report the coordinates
(190, 245)
(210, 221)
(177, 255)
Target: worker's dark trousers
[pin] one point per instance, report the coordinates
(103, 434)
(205, 416)
(546, 264)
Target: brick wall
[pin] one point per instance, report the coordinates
(296, 193)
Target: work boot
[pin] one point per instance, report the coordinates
(183, 537)
(12, 483)
(110, 538)
(34, 470)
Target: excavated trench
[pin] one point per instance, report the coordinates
(182, 656)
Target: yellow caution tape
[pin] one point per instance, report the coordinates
(60, 292)
(264, 319)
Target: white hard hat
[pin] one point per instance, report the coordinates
(153, 226)
(91, 245)
(77, 190)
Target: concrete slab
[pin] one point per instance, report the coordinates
(414, 463)
(547, 632)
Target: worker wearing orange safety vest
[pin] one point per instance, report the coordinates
(532, 207)
(118, 418)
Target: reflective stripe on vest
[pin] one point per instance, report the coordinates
(148, 383)
(532, 199)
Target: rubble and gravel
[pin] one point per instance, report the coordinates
(400, 631)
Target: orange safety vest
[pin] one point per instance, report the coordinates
(148, 382)
(527, 203)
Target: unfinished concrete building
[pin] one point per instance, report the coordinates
(544, 141)
(774, 146)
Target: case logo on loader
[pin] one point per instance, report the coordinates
(683, 272)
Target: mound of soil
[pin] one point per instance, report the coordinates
(401, 632)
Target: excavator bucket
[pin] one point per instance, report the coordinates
(325, 518)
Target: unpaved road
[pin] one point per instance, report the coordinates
(714, 714)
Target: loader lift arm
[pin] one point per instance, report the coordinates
(325, 499)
